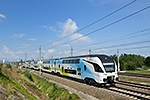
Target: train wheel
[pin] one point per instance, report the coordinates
(53, 73)
(58, 74)
(86, 81)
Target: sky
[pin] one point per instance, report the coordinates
(58, 25)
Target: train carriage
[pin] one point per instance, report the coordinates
(91, 68)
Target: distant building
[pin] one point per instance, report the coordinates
(3, 61)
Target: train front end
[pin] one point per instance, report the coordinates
(109, 68)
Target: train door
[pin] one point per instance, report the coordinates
(84, 71)
(79, 73)
(55, 65)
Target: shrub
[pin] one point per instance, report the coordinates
(28, 75)
(9, 66)
(145, 67)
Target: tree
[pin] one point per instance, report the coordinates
(147, 61)
(122, 65)
(131, 66)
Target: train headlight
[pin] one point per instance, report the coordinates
(105, 74)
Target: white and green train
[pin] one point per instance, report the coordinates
(91, 68)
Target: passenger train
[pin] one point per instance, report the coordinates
(92, 69)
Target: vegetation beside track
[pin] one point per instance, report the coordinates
(132, 62)
(13, 80)
(139, 72)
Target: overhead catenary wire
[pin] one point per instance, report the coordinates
(142, 47)
(113, 46)
(126, 36)
(104, 26)
(122, 38)
(95, 21)
(123, 45)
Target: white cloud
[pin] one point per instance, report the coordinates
(6, 50)
(25, 44)
(20, 52)
(70, 27)
(36, 51)
(2, 16)
(57, 43)
(17, 35)
(51, 50)
(83, 52)
(31, 39)
(49, 28)
(6, 53)
(23, 47)
(102, 50)
(64, 53)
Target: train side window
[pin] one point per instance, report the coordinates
(85, 67)
(78, 69)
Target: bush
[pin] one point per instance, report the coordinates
(9, 66)
(145, 67)
(27, 74)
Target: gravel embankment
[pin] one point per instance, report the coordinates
(86, 92)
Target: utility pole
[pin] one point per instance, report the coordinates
(118, 60)
(71, 51)
(90, 51)
(40, 59)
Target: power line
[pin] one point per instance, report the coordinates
(119, 45)
(123, 45)
(104, 26)
(122, 37)
(95, 21)
(142, 47)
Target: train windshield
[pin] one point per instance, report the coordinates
(109, 67)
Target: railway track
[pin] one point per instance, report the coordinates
(122, 89)
(134, 74)
(137, 91)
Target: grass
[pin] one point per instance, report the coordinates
(139, 72)
(53, 91)
(48, 91)
(28, 75)
(14, 88)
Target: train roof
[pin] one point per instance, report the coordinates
(101, 56)
(82, 56)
